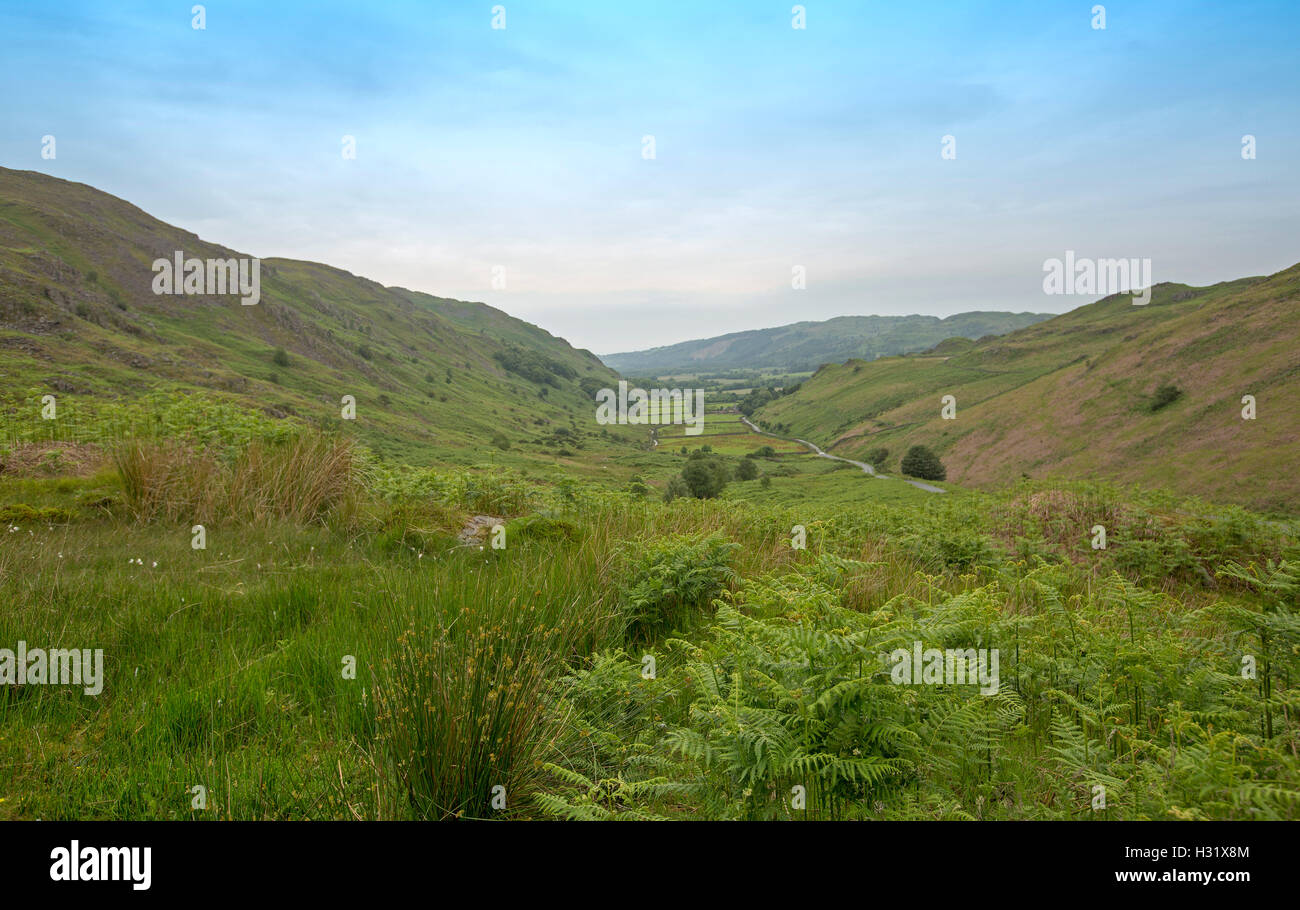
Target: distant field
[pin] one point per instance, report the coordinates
(726, 435)
(740, 444)
(712, 425)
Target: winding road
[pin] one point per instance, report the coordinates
(861, 464)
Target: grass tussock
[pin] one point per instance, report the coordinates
(461, 711)
(304, 479)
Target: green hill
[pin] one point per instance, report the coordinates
(1076, 397)
(807, 345)
(431, 376)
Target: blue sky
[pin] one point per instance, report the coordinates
(521, 147)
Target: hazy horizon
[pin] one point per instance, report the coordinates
(521, 149)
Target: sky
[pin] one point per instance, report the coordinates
(519, 153)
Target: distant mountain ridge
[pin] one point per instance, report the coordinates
(807, 345)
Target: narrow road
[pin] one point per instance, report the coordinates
(861, 464)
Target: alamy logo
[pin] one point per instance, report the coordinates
(212, 276)
(1098, 276)
(657, 406)
(56, 667)
(76, 863)
(953, 667)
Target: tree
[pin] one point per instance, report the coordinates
(280, 358)
(501, 441)
(877, 457)
(755, 400)
(921, 462)
(705, 476)
(747, 470)
(676, 488)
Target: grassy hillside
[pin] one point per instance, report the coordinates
(1075, 397)
(807, 345)
(432, 378)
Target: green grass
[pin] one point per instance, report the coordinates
(224, 665)
(520, 668)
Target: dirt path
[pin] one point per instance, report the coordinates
(860, 464)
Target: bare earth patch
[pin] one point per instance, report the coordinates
(45, 459)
